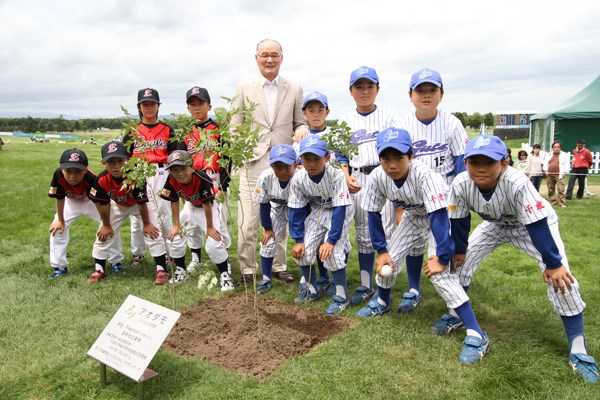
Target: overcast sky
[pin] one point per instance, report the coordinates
(86, 58)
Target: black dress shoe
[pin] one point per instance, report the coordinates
(284, 276)
(246, 279)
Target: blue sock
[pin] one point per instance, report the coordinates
(385, 295)
(323, 273)
(365, 263)
(267, 266)
(305, 271)
(413, 272)
(573, 326)
(466, 314)
(339, 279)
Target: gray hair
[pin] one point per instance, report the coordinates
(269, 40)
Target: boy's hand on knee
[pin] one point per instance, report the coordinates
(298, 250)
(325, 251)
(57, 226)
(560, 278)
(433, 266)
(266, 235)
(151, 231)
(457, 261)
(104, 233)
(175, 230)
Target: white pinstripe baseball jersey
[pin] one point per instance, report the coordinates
(330, 192)
(437, 143)
(268, 189)
(296, 145)
(365, 131)
(423, 191)
(514, 202)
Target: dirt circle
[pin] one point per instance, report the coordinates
(230, 332)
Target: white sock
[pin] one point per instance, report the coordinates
(99, 268)
(472, 332)
(160, 268)
(265, 278)
(195, 258)
(415, 291)
(381, 302)
(578, 345)
(311, 289)
(339, 291)
(453, 313)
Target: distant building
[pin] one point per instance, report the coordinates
(512, 125)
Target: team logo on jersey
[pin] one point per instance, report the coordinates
(425, 74)
(74, 157)
(165, 192)
(362, 136)
(421, 148)
(451, 207)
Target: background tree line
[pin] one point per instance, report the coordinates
(44, 125)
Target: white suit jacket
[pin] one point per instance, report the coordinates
(288, 117)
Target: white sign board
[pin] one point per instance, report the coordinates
(133, 336)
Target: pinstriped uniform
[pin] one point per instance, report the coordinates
(268, 190)
(365, 130)
(422, 193)
(330, 192)
(515, 203)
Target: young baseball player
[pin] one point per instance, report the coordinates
(439, 142)
(322, 231)
(70, 187)
(196, 188)
(197, 144)
(109, 186)
(514, 212)
(366, 121)
(271, 193)
(153, 142)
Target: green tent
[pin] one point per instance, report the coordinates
(576, 118)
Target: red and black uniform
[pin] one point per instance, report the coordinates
(155, 142)
(60, 188)
(106, 188)
(200, 190)
(205, 158)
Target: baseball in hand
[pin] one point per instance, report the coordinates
(386, 270)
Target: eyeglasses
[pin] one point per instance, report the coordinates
(274, 56)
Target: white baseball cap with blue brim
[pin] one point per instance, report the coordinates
(486, 145)
(315, 96)
(364, 72)
(312, 144)
(426, 75)
(284, 153)
(394, 138)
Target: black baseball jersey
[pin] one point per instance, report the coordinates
(107, 188)
(60, 188)
(199, 191)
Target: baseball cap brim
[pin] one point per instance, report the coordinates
(73, 165)
(140, 101)
(116, 155)
(315, 151)
(401, 147)
(494, 155)
(433, 82)
(283, 159)
(178, 162)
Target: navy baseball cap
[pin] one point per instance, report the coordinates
(364, 72)
(179, 157)
(74, 158)
(114, 149)
(485, 145)
(312, 144)
(148, 94)
(315, 96)
(426, 75)
(284, 153)
(198, 92)
(395, 138)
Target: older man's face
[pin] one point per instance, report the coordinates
(269, 58)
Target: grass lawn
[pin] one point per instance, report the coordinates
(46, 327)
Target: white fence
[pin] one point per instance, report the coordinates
(595, 169)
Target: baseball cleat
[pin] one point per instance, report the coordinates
(446, 324)
(323, 286)
(194, 266)
(58, 273)
(162, 277)
(410, 301)
(474, 349)
(585, 366)
(362, 293)
(96, 276)
(137, 261)
(372, 309)
(179, 276)
(304, 295)
(338, 305)
(226, 282)
(118, 269)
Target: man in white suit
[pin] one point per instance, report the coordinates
(279, 115)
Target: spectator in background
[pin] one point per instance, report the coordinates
(556, 165)
(582, 161)
(534, 169)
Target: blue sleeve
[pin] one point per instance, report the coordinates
(342, 158)
(338, 214)
(377, 233)
(543, 241)
(459, 232)
(297, 218)
(459, 166)
(265, 216)
(440, 226)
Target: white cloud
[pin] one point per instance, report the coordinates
(88, 58)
